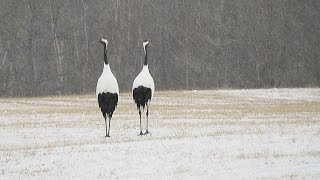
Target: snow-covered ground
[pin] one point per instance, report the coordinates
(272, 133)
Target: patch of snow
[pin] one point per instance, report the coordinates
(198, 143)
(280, 94)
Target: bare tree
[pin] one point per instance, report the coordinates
(52, 47)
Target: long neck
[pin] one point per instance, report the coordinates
(105, 54)
(146, 58)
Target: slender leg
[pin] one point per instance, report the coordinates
(147, 132)
(109, 126)
(140, 122)
(105, 120)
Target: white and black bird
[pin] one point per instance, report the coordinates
(107, 90)
(143, 88)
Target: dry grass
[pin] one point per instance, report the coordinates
(220, 110)
(226, 112)
(266, 155)
(41, 126)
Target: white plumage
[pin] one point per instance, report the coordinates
(145, 79)
(107, 81)
(107, 91)
(143, 89)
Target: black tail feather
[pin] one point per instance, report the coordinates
(107, 103)
(141, 96)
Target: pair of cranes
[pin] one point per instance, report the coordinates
(108, 90)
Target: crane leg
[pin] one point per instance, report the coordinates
(109, 126)
(147, 113)
(140, 122)
(105, 120)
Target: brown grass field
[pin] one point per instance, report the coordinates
(272, 133)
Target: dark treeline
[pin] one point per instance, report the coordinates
(52, 47)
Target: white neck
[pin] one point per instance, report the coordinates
(145, 67)
(106, 67)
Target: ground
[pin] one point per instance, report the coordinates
(270, 133)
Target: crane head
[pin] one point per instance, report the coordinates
(145, 43)
(104, 41)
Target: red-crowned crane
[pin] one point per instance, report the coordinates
(107, 90)
(143, 88)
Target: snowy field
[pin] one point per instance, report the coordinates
(221, 134)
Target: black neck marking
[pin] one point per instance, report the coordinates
(105, 53)
(146, 57)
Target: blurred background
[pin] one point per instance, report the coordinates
(52, 47)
